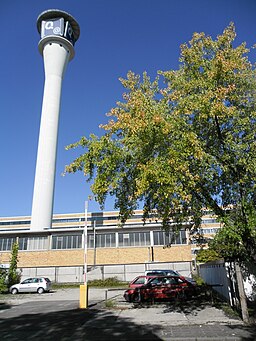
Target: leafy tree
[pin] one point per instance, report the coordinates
(207, 255)
(236, 241)
(143, 156)
(13, 274)
(214, 91)
(183, 146)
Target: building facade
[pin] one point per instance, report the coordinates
(109, 243)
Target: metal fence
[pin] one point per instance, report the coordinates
(221, 276)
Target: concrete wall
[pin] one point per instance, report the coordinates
(124, 272)
(127, 272)
(72, 274)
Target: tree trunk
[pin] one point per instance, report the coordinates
(242, 296)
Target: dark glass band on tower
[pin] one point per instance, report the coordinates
(57, 24)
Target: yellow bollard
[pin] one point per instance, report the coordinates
(83, 296)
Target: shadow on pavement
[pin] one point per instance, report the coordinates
(74, 324)
(186, 306)
(192, 306)
(4, 306)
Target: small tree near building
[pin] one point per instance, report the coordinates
(13, 274)
(3, 282)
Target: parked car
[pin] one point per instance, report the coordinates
(161, 288)
(160, 272)
(36, 284)
(139, 281)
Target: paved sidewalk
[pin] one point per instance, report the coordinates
(124, 321)
(188, 321)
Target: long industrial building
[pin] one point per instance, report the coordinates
(113, 249)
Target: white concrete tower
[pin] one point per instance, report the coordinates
(59, 32)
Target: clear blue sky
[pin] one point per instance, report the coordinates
(116, 36)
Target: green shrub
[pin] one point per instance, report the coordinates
(13, 275)
(207, 255)
(64, 285)
(199, 280)
(105, 283)
(110, 304)
(100, 283)
(3, 282)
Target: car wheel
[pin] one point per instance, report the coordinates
(14, 291)
(40, 290)
(127, 298)
(182, 295)
(136, 298)
(185, 296)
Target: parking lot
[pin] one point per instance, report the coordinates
(56, 316)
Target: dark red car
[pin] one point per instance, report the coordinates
(139, 281)
(160, 288)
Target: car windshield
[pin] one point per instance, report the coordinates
(140, 280)
(28, 280)
(165, 280)
(164, 273)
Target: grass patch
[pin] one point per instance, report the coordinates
(107, 283)
(110, 304)
(65, 285)
(227, 309)
(111, 282)
(4, 296)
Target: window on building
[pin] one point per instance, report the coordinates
(212, 230)
(90, 241)
(67, 241)
(6, 243)
(33, 243)
(15, 222)
(134, 239)
(102, 240)
(23, 243)
(209, 221)
(66, 220)
(167, 238)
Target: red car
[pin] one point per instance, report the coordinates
(159, 288)
(138, 281)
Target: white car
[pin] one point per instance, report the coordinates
(36, 284)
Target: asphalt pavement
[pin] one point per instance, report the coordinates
(56, 316)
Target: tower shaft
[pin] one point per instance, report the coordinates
(59, 31)
(56, 57)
